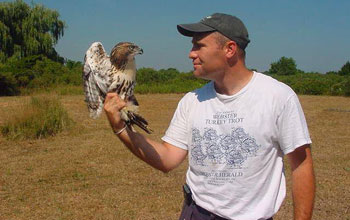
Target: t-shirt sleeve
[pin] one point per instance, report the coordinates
(292, 127)
(177, 133)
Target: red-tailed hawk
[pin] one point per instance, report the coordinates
(114, 73)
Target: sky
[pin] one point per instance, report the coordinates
(315, 33)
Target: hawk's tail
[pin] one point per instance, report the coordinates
(139, 121)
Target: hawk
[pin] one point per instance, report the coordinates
(114, 73)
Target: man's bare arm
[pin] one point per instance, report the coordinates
(162, 156)
(303, 181)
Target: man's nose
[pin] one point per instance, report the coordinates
(192, 55)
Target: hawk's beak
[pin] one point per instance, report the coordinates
(140, 51)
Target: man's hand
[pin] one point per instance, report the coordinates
(112, 106)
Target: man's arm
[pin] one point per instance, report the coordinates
(303, 182)
(162, 156)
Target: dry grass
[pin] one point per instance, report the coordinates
(86, 173)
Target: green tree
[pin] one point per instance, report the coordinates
(71, 64)
(345, 70)
(285, 66)
(29, 30)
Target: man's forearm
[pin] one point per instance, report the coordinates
(156, 154)
(304, 188)
(141, 147)
(162, 156)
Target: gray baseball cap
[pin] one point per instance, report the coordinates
(228, 25)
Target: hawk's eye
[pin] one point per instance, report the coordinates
(131, 47)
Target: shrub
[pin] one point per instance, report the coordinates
(347, 87)
(44, 116)
(315, 83)
(149, 75)
(337, 89)
(166, 81)
(37, 72)
(8, 84)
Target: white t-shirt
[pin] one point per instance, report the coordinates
(236, 145)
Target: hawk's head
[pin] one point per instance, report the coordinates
(124, 52)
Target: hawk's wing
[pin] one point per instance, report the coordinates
(96, 78)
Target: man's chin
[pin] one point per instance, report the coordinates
(196, 73)
(199, 74)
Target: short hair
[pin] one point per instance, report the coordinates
(221, 40)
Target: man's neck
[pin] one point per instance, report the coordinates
(233, 81)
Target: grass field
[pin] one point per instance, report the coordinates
(86, 173)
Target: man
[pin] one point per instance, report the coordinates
(236, 130)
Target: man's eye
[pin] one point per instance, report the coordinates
(197, 46)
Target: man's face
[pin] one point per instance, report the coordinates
(207, 56)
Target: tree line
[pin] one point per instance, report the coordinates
(28, 60)
(288, 66)
(311, 83)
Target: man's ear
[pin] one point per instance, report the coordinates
(231, 49)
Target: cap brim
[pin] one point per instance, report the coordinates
(190, 29)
